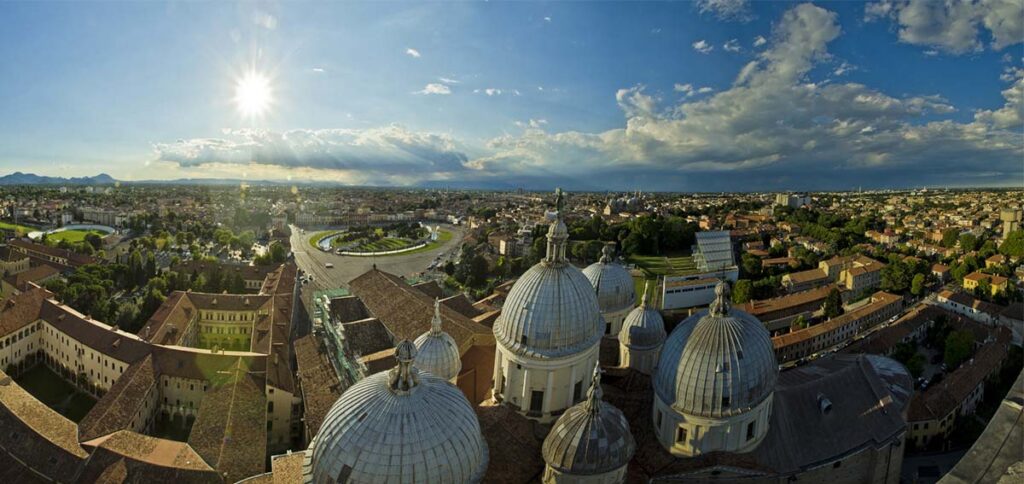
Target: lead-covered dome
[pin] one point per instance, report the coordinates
(551, 311)
(400, 426)
(643, 328)
(717, 363)
(436, 351)
(591, 437)
(611, 282)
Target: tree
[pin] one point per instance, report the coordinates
(833, 304)
(916, 365)
(917, 285)
(959, 347)
(1013, 246)
(741, 291)
(968, 242)
(950, 238)
(984, 289)
(94, 240)
(127, 315)
(799, 323)
(235, 284)
(751, 264)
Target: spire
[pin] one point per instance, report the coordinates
(435, 322)
(720, 306)
(643, 299)
(595, 393)
(558, 234)
(402, 378)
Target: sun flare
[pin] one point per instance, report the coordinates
(253, 95)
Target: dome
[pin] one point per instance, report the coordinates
(643, 327)
(717, 363)
(552, 310)
(612, 282)
(591, 437)
(400, 426)
(436, 351)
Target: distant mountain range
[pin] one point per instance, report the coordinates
(19, 178)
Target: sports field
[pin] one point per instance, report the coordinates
(21, 229)
(72, 236)
(658, 265)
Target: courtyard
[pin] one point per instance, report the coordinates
(49, 388)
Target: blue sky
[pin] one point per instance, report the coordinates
(713, 95)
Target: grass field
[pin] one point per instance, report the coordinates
(387, 243)
(441, 239)
(657, 265)
(52, 390)
(72, 236)
(314, 240)
(21, 229)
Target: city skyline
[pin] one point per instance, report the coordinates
(709, 96)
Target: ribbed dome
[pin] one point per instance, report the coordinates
(551, 311)
(612, 282)
(591, 437)
(643, 327)
(717, 363)
(400, 426)
(436, 351)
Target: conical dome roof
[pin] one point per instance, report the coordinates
(611, 282)
(400, 426)
(643, 327)
(437, 352)
(551, 310)
(591, 437)
(717, 363)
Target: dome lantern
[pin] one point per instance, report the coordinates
(437, 352)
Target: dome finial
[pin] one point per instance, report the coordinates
(607, 252)
(643, 299)
(435, 322)
(720, 306)
(595, 393)
(402, 378)
(558, 234)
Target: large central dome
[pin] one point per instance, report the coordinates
(552, 309)
(717, 364)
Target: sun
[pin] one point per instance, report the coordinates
(253, 94)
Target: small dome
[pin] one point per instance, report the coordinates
(717, 363)
(643, 327)
(400, 426)
(591, 437)
(552, 310)
(437, 352)
(612, 282)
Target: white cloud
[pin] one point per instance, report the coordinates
(931, 52)
(844, 68)
(495, 91)
(773, 116)
(435, 88)
(689, 90)
(732, 45)
(448, 80)
(318, 70)
(703, 46)
(953, 26)
(264, 19)
(759, 41)
(532, 123)
(705, 90)
(412, 52)
(547, 19)
(736, 10)
(1011, 115)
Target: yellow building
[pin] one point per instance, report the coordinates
(997, 283)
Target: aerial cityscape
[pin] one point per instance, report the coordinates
(512, 242)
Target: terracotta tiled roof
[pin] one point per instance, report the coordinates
(318, 380)
(939, 400)
(20, 310)
(122, 403)
(130, 457)
(406, 312)
(230, 431)
(35, 274)
(119, 345)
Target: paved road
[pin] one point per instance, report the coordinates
(347, 268)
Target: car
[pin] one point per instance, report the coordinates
(329, 265)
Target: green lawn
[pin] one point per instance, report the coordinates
(56, 393)
(658, 265)
(441, 240)
(72, 236)
(23, 229)
(314, 240)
